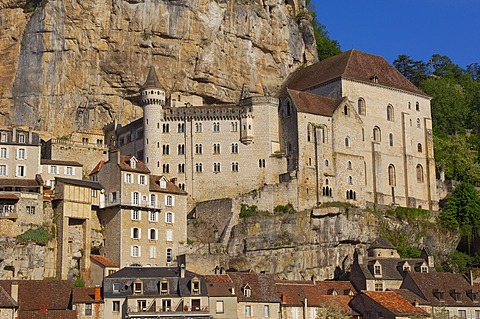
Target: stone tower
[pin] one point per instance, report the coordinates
(153, 99)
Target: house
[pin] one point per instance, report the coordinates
(256, 295)
(385, 305)
(454, 294)
(383, 269)
(100, 267)
(222, 296)
(56, 168)
(311, 299)
(144, 215)
(88, 302)
(155, 292)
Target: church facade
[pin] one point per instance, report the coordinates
(350, 129)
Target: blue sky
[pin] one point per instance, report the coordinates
(418, 28)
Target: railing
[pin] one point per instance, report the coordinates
(139, 203)
(160, 309)
(74, 143)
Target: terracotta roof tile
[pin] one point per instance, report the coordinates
(353, 64)
(313, 103)
(103, 261)
(218, 278)
(49, 314)
(19, 182)
(97, 168)
(59, 162)
(6, 301)
(394, 303)
(85, 295)
(170, 189)
(262, 286)
(9, 196)
(140, 167)
(220, 286)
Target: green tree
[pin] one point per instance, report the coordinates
(441, 65)
(326, 47)
(415, 71)
(462, 210)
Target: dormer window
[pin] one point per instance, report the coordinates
(438, 294)
(3, 137)
(21, 138)
(164, 287)
(163, 183)
(473, 295)
(455, 295)
(247, 291)
(138, 287)
(374, 79)
(133, 162)
(195, 286)
(406, 267)
(377, 269)
(423, 268)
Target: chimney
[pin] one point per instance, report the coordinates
(114, 155)
(97, 293)
(470, 275)
(233, 290)
(182, 271)
(14, 291)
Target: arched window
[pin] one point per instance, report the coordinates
(350, 180)
(326, 165)
(347, 141)
(377, 135)
(419, 173)
(417, 106)
(349, 165)
(418, 123)
(308, 133)
(390, 113)
(409, 105)
(391, 175)
(345, 110)
(390, 138)
(361, 107)
(419, 147)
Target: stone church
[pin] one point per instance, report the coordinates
(350, 128)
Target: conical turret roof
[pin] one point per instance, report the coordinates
(152, 81)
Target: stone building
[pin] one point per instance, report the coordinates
(349, 128)
(56, 168)
(144, 215)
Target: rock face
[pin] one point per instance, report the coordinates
(77, 65)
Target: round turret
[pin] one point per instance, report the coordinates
(152, 92)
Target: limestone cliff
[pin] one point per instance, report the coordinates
(76, 65)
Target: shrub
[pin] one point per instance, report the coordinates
(40, 236)
(284, 209)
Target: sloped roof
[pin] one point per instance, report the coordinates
(352, 64)
(38, 294)
(97, 168)
(262, 286)
(79, 182)
(19, 182)
(103, 261)
(411, 296)
(84, 295)
(152, 81)
(392, 268)
(50, 314)
(380, 242)
(140, 167)
(444, 282)
(394, 303)
(59, 162)
(313, 103)
(170, 189)
(6, 301)
(219, 285)
(9, 196)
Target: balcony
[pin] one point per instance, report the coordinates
(128, 202)
(163, 312)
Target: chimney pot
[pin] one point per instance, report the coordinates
(97, 293)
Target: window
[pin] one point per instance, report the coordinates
(345, 110)
(169, 255)
(69, 170)
(164, 287)
(390, 139)
(198, 167)
(234, 126)
(181, 128)
(198, 127)
(166, 128)
(21, 153)
(142, 180)
(3, 152)
(418, 123)
(135, 251)
(216, 127)
(391, 175)
(195, 286)
(3, 170)
(198, 149)
(462, 314)
(326, 163)
(21, 138)
(137, 287)
(424, 269)
(248, 311)
(136, 198)
(152, 234)
(169, 218)
(216, 148)
(31, 210)
(347, 141)
(88, 309)
(350, 180)
(261, 163)
(266, 311)
(166, 168)
(234, 148)
(216, 167)
(377, 135)
(308, 133)
(169, 200)
(116, 306)
(417, 106)
(128, 178)
(181, 149)
(361, 107)
(166, 149)
(378, 286)
(152, 216)
(116, 287)
(377, 269)
(219, 306)
(477, 314)
(3, 137)
(136, 233)
(21, 171)
(419, 148)
(235, 167)
(419, 173)
(181, 168)
(163, 183)
(169, 235)
(247, 292)
(153, 252)
(349, 165)
(135, 214)
(390, 113)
